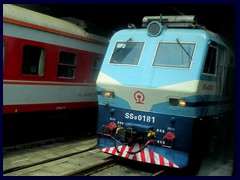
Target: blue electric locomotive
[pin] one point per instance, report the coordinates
(161, 89)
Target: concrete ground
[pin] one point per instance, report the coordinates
(219, 162)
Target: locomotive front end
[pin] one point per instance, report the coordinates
(147, 87)
(128, 126)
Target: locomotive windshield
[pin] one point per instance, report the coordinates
(174, 55)
(127, 53)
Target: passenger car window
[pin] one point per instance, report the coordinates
(127, 53)
(33, 60)
(210, 62)
(67, 64)
(174, 55)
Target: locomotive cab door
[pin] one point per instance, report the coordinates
(214, 68)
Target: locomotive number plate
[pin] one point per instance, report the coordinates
(143, 118)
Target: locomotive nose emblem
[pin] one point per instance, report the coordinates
(139, 97)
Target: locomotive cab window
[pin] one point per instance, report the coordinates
(97, 62)
(127, 53)
(67, 64)
(178, 55)
(33, 60)
(210, 62)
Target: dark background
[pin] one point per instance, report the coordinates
(220, 18)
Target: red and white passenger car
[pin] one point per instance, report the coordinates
(49, 64)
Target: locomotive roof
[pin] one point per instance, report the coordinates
(42, 20)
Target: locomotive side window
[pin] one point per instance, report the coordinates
(174, 55)
(210, 62)
(97, 62)
(67, 64)
(127, 53)
(33, 60)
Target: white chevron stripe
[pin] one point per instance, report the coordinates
(166, 162)
(119, 149)
(138, 155)
(135, 148)
(125, 152)
(156, 158)
(174, 165)
(103, 149)
(147, 157)
(111, 150)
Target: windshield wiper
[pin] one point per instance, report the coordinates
(124, 44)
(184, 48)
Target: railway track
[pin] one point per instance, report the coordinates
(89, 161)
(34, 144)
(116, 166)
(52, 160)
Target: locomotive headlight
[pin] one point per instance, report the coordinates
(177, 102)
(181, 102)
(108, 94)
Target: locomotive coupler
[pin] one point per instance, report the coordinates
(130, 136)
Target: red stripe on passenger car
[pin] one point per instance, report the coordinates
(46, 107)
